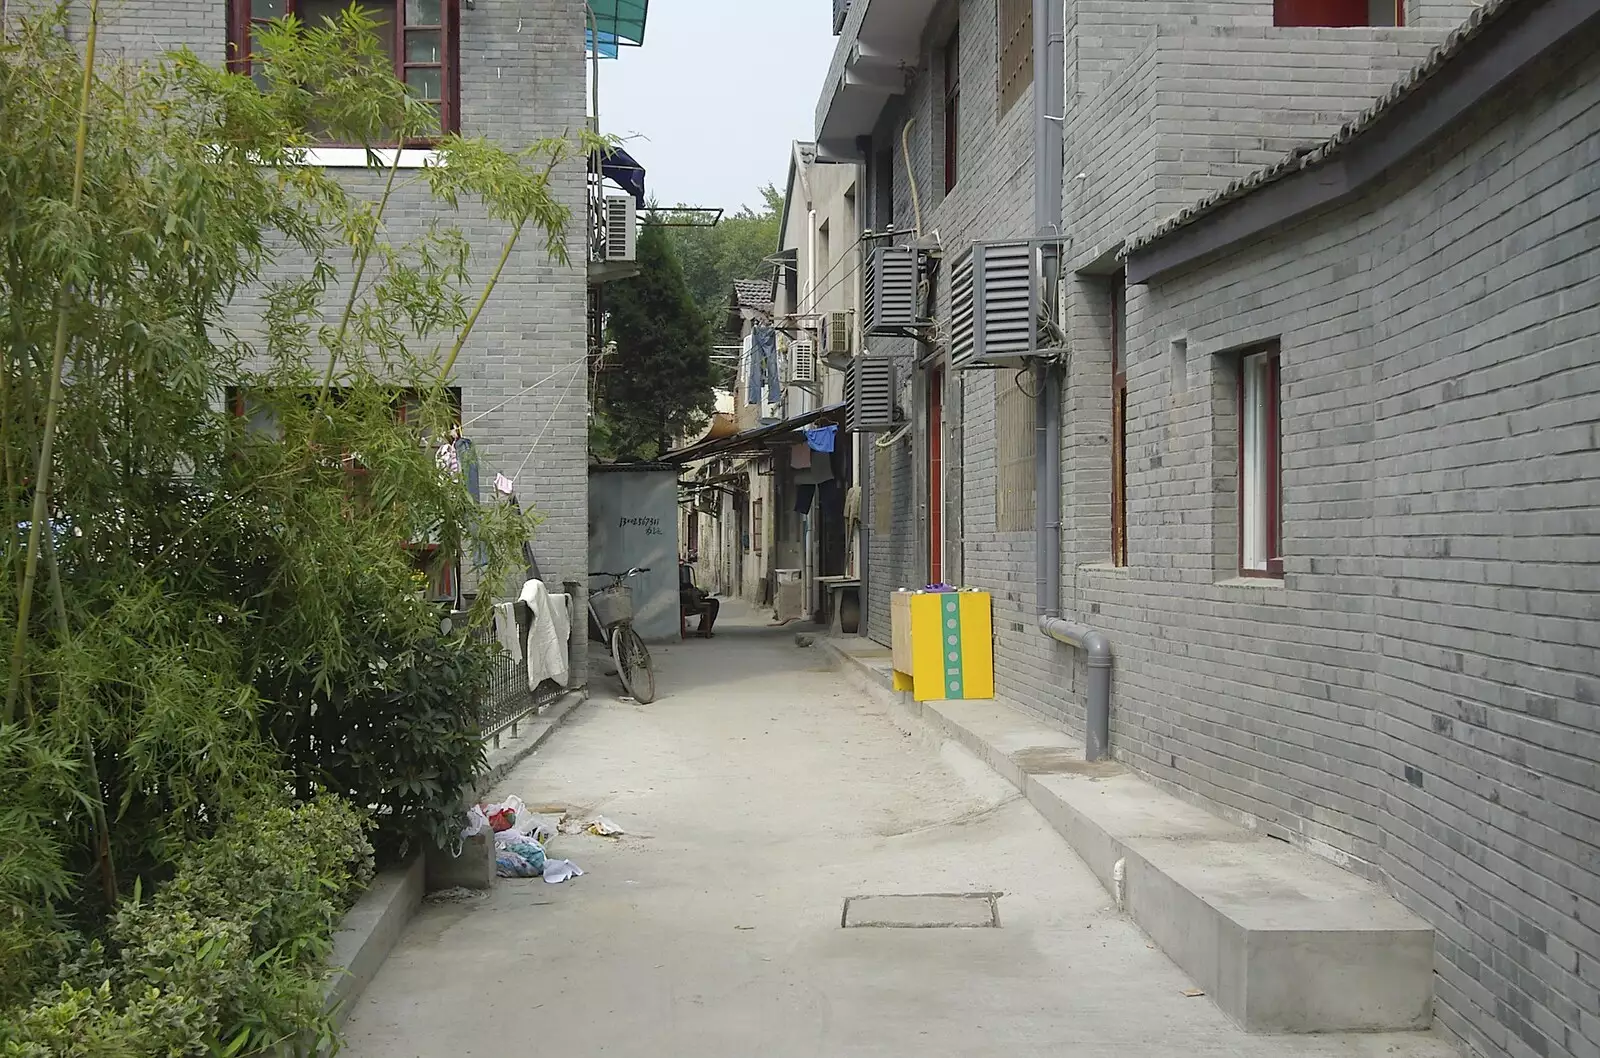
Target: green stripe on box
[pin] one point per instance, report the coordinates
(950, 634)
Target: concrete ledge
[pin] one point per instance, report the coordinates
(369, 932)
(1281, 940)
(534, 731)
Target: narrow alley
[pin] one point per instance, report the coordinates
(759, 792)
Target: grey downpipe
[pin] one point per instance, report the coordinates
(1049, 126)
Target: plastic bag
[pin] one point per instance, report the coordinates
(518, 857)
(477, 823)
(501, 815)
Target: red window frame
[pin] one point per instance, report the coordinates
(1119, 422)
(1272, 503)
(1333, 13)
(447, 62)
(952, 109)
(936, 477)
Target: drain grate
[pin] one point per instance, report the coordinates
(923, 911)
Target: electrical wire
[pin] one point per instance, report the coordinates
(559, 401)
(905, 153)
(523, 392)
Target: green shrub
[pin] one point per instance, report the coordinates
(229, 957)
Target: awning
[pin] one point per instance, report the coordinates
(619, 165)
(622, 19)
(785, 431)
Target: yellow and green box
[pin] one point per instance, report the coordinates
(943, 644)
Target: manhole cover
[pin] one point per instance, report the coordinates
(926, 911)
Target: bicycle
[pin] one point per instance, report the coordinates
(612, 610)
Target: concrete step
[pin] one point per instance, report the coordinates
(1282, 941)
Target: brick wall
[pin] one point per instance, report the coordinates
(1417, 697)
(521, 80)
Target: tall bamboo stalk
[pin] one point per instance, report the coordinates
(41, 484)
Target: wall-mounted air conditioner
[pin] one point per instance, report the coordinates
(622, 227)
(889, 291)
(802, 361)
(836, 342)
(869, 394)
(1002, 305)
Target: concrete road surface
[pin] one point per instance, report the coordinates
(759, 793)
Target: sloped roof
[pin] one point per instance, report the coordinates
(752, 294)
(1310, 158)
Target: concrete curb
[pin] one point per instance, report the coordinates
(369, 932)
(1281, 940)
(370, 929)
(534, 734)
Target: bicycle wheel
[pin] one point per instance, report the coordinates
(634, 667)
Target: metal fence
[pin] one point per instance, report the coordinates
(507, 702)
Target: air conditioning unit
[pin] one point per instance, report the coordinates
(1002, 310)
(802, 361)
(622, 227)
(869, 394)
(889, 291)
(836, 335)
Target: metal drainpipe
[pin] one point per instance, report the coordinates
(1049, 111)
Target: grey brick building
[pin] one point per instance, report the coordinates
(1398, 671)
(523, 374)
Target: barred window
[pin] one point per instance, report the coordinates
(1014, 414)
(1016, 50)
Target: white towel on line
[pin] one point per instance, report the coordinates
(548, 631)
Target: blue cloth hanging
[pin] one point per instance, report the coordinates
(821, 438)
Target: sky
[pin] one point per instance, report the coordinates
(721, 88)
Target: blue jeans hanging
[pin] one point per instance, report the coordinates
(764, 364)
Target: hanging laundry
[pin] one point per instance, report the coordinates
(764, 365)
(800, 457)
(821, 438)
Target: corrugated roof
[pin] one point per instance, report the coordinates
(1310, 158)
(752, 294)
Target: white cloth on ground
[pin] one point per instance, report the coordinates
(548, 631)
(506, 630)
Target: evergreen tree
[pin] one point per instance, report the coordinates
(660, 385)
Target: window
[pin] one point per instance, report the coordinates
(1260, 492)
(1336, 13)
(1119, 421)
(755, 525)
(883, 189)
(952, 109)
(1015, 412)
(1016, 50)
(419, 36)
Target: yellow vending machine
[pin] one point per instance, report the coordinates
(942, 644)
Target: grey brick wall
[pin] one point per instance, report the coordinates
(1417, 698)
(522, 79)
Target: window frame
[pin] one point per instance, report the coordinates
(240, 19)
(1271, 505)
(1015, 59)
(1291, 14)
(756, 511)
(1119, 421)
(951, 61)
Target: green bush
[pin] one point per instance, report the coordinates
(401, 735)
(229, 957)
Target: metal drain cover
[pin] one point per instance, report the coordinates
(924, 911)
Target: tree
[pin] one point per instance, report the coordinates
(661, 386)
(713, 258)
(204, 612)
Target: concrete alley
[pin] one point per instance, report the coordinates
(759, 792)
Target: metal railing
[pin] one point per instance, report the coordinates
(508, 702)
(841, 10)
